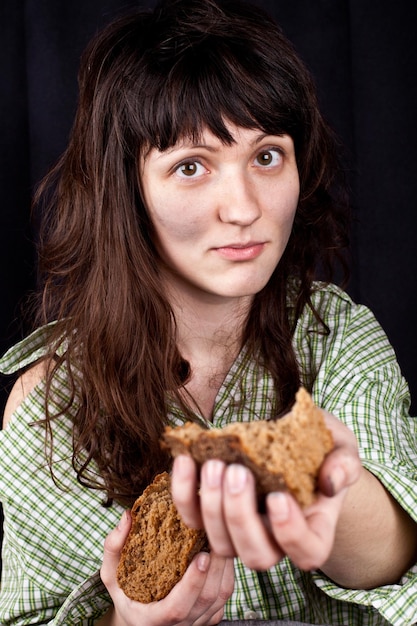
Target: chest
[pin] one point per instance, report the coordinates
(203, 390)
(242, 393)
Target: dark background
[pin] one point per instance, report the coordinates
(363, 54)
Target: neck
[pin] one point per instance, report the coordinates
(211, 325)
(209, 337)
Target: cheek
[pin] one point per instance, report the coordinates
(177, 223)
(285, 195)
(284, 214)
(291, 204)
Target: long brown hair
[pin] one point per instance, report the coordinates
(146, 81)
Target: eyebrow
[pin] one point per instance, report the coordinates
(186, 146)
(205, 146)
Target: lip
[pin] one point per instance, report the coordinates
(241, 251)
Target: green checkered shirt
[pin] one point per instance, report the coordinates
(54, 533)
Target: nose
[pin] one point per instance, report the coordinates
(238, 201)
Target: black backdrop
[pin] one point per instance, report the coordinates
(363, 54)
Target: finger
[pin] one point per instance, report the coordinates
(219, 582)
(342, 466)
(211, 503)
(339, 470)
(217, 590)
(305, 537)
(251, 538)
(179, 603)
(184, 489)
(113, 545)
(212, 621)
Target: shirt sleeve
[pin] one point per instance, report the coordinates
(54, 527)
(85, 605)
(358, 379)
(27, 351)
(24, 603)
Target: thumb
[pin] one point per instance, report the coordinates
(113, 545)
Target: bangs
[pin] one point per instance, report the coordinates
(154, 79)
(212, 83)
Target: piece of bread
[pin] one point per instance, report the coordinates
(159, 547)
(284, 455)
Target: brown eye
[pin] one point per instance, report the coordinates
(265, 158)
(269, 157)
(188, 169)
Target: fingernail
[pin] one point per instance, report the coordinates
(203, 561)
(279, 507)
(182, 466)
(236, 478)
(213, 471)
(337, 480)
(123, 521)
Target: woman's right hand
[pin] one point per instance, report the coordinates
(198, 599)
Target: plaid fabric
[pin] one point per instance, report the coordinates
(54, 533)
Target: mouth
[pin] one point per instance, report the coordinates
(241, 251)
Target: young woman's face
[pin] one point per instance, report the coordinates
(222, 213)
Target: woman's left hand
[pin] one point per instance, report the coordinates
(226, 507)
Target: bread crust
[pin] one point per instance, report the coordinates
(284, 455)
(159, 547)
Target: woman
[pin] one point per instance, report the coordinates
(183, 230)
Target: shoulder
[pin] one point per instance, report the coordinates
(23, 387)
(331, 299)
(326, 299)
(337, 336)
(337, 310)
(29, 356)
(348, 323)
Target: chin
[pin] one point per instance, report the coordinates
(249, 290)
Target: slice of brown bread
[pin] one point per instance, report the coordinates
(159, 547)
(285, 454)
